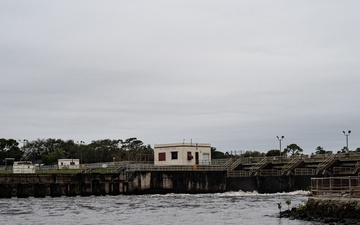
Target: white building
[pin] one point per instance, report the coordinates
(182, 154)
(68, 163)
(23, 167)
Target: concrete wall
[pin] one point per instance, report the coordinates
(209, 182)
(41, 185)
(179, 182)
(271, 184)
(242, 183)
(155, 182)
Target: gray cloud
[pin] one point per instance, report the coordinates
(234, 74)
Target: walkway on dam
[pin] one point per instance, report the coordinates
(237, 166)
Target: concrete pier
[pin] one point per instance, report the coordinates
(56, 185)
(142, 182)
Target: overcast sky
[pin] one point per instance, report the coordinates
(234, 74)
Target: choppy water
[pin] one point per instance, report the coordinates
(174, 209)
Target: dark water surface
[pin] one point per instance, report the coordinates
(174, 209)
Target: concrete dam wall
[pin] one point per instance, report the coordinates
(55, 185)
(163, 182)
(142, 182)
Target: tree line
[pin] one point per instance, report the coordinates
(292, 149)
(48, 151)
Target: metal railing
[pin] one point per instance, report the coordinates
(254, 164)
(149, 167)
(269, 173)
(295, 161)
(238, 173)
(221, 161)
(251, 160)
(326, 163)
(261, 164)
(304, 172)
(336, 187)
(343, 170)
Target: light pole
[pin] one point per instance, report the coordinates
(347, 139)
(23, 143)
(81, 142)
(280, 139)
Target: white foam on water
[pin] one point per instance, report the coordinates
(239, 194)
(255, 193)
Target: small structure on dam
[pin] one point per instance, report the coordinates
(185, 154)
(23, 167)
(68, 163)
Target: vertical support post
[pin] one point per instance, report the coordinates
(331, 186)
(350, 187)
(347, 140)
(280, 139)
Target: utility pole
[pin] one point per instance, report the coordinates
(347, 140)
(280, 139)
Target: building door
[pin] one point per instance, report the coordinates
(197, 158)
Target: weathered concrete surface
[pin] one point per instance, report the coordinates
(213, 181)
(41, 185)
(155, 182)
(242, 183)
(270, 184)
(179, 182)
(55, 185)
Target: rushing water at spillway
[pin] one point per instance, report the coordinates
(225, 208)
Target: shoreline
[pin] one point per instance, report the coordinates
(331, 211)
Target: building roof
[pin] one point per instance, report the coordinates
(182, 145)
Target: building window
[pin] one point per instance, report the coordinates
(174, 155)
(189, 156)
(162, 156)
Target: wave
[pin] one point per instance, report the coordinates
(255, 193)
(237, 194)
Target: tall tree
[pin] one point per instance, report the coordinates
(134, 149)
(9, 148)
(293, 149)
(273, 152)
(100, 151)
(35, 150)
(252, 154)
(216, 154)
(320, 150)
(52, 158)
